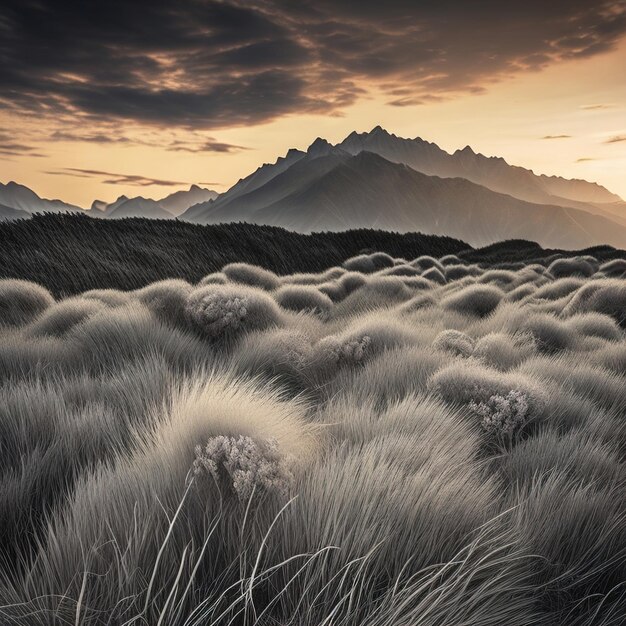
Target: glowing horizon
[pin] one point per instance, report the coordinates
(554, 112)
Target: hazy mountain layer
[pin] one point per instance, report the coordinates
(21, 198)
(337, 191)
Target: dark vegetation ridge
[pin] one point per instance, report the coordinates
(73, 253)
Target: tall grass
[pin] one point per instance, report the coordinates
(353, 445)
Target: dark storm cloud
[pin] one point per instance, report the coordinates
(209, 64)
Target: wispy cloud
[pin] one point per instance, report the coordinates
(207, 146)
(189, 142)
(112, 178)
(11, 148)
(557, 137)
(594, 107)
(585, 159)
(616, 139)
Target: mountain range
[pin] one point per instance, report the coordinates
(379, 180)
(18, 201)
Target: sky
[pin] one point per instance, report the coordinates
(104, 98)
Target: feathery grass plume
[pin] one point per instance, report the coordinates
(465, 383)
(528, 274)
(451, 259)
(302, 279)
(475, 300)
(281, 354)
(356, 345)
(400, 270)
(558, 288)
(303, 298)
(251, 275)
(582, 378)
(368, 263)
(426, 262)
(573, 266)
(417, 459)
(578, 531)
(130, 333)
(52, 431)
(389, 377)
(111, 547)
(576, 455)
(22, 356)
(503, 351)
(110, 297)
(351, 281)
(607, 296)
(22, 301)
(415, 283)
(614, 269)
(331, 289)
(63, 316)
(455, 342)
(417, 303)
(501, 278)
(595, 325)
(333, 273)
(611, 356)
(338, 289)
(454, 272)
(520, 293)
(216, 278)
(228, 311)
(379, 292)
(551, 335)
(435, 275)
(167, 299)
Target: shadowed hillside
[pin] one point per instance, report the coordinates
(70, 253)
(73, 253)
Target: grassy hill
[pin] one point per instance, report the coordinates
(73, 253)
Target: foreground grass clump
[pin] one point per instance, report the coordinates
(390, 441)
(21, 301)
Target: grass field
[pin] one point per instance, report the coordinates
(427, 441)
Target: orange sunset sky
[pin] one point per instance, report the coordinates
(96, 108)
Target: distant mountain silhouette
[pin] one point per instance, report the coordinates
(491, 172)
(21, 198)
(345, 186)
(379, 180)
(165, 208)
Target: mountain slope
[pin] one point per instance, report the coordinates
(337, 192)
(491, 172)
(9, 213)
(179, 201)
(21, 198)
(138, 207)
(319, 161)
(165, 208)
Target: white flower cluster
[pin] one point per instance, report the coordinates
(502, 416)
(217, 314)
(244, 465)
(350, 351)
